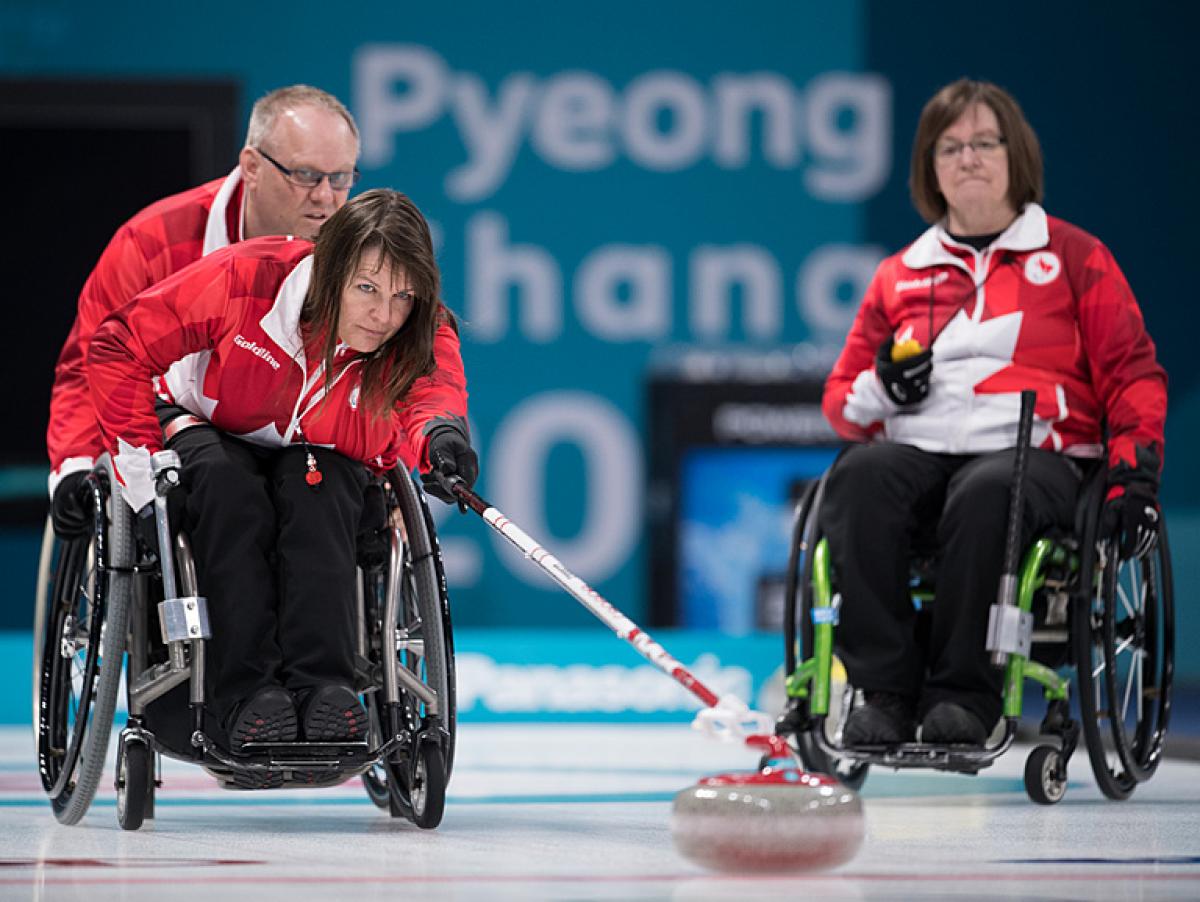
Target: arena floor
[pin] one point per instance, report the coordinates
(582, 813)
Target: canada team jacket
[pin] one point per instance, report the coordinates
(223, 335)
(1044, 307)
(160, 240)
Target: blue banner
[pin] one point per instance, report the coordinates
(608, 181)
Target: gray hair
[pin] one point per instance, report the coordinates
(268, 108)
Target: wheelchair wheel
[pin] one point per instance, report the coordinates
(427, 786)
(135, 784)
(1125, 656)
(44, 590)
(81, 647)
(1045, 780)
(798, 635)
(411, 783)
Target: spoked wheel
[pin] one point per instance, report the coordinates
(1125, 655)
(135, 784)
(798, 637)
(419, 640)
(80, 647)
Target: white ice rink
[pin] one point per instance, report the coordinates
(582, 813)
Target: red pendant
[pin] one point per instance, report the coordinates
(313, 476)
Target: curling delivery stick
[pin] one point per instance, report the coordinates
(1010, 630)
(725, 717)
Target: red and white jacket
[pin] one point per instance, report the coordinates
(160, 240)
(223, 334)
(1044, 307)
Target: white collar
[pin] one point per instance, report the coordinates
(1027, 232)
(282, 322)
(216, 233)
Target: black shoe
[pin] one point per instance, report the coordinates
(269, 715)
(885, 719)
(333, 713)
(950, 724)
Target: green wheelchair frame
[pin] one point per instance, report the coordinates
(1119, 622)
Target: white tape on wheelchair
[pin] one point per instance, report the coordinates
(135, 473)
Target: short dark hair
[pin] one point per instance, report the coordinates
(941, 111)
(388, 221)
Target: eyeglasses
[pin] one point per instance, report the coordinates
(983, 147)
(310, 178)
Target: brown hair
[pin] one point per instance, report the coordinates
(390, 222)
(942, 111)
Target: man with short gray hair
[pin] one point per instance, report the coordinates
(295, 171)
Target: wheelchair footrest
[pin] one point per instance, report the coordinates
(305, 754)
(956, 758)
(283, 765)
(963, 759)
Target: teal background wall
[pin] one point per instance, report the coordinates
(609, 180)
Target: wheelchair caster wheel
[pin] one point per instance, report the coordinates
(427, 786)
(1045, 775)
(135, 785)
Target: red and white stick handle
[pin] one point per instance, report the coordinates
(725, 716)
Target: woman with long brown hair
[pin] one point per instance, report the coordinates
(283, 372)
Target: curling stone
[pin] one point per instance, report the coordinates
(778, 819)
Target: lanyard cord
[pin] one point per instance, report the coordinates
(1006, 258)
(313, 475)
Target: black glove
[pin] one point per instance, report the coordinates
(1133, 516)
(905, 381)
(450, 454)
(70, 510)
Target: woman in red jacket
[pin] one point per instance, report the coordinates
(995, 297)
(279, 369)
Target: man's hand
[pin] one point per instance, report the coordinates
(450, 454)
(70, 513)
(906, 381)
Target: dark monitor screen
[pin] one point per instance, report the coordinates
(79, 160)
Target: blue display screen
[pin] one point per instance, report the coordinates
(734, 528)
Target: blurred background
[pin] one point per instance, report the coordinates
(655, 220)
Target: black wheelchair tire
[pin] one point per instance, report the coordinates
(1043, 782)
(135, 784)
(427, 786)
(1117, 643)
(389, 784)
(92, 578)
(798, 634)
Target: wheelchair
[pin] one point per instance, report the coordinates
(1080, 606)
(107, 600)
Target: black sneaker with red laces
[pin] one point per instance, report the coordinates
(269, 715)
(332, 713)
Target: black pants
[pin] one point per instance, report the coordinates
(878, 497)
(276, 560)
